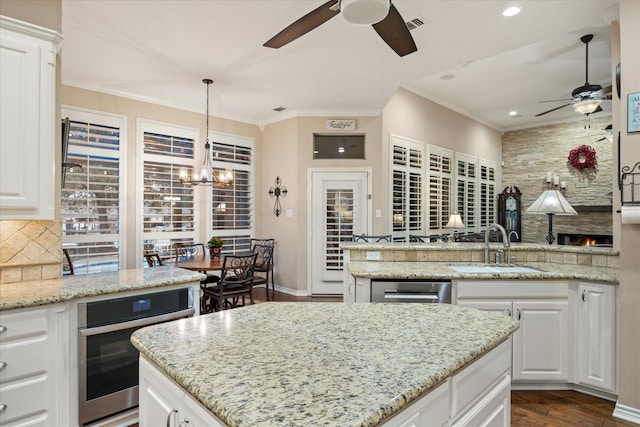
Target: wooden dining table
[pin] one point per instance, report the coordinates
(200, 263)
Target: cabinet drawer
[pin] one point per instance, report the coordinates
(512, 289)
(23, 324)
(478, 378)
(26, 400)
(23, 357)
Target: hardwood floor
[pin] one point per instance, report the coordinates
(528, 408)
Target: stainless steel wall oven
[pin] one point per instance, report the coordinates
(108, 362)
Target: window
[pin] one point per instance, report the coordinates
(487, 193)
(407, 201)
(467, 184)
(334, 146)
(440, 177)
(168, 214)
(90, 205)
(233, 205)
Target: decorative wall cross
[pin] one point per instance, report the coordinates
(278, 191)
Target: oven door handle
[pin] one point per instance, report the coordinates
(86, 332)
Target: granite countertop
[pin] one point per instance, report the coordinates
(42, 292)
(442, 270)
(311, 364)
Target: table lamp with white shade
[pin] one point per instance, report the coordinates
(551, 202)
(455, 222)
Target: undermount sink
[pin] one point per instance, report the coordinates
(484, 268)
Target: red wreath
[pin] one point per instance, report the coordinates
(583, 157)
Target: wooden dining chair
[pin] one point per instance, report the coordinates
(67, 267)
(235, 284)
(153, 259)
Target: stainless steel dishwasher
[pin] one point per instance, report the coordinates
(417, 291)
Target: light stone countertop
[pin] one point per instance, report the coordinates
(466, 246)
(312, 364)
(442, 270)
(42, 292)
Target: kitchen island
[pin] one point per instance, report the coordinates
(297, 364)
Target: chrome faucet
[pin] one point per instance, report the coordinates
(505, 239)
(512, 232)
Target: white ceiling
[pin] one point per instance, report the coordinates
(159, 51)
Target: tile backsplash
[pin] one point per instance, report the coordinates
(30, 250)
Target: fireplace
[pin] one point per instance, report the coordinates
(577, 239)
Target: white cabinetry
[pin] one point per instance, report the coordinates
(27, 114)
(596, 335)
(542, 345)
(163, 403)
(477, 395)
(32, 361)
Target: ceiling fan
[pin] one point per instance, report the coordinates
(587, 98)
(381, 14)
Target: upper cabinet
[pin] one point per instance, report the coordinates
(27, 114)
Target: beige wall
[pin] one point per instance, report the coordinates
(530, 153)
(629, 289)
(133, 110)
(45, 13)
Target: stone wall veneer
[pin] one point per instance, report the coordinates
(530, 153)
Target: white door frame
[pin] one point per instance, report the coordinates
(310, 172)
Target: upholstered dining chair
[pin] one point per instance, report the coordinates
(236, 283)
(371, 239)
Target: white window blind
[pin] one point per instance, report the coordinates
(233, 205)
(90, 205)
(407, 188)
(168, 214)
(440, 177)
(466, 191)
(487, 192)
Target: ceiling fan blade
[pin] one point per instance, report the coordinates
(606, 91)
(393, 30)
(305, 24)
(555, 100)
(553, 109)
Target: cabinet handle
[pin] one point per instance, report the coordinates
(584, 296)
(3, 407)
(3, 365)
(169, 416)
(3, 329)
(519, 314)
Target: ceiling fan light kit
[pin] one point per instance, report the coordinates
(587, 106)
(364, 12)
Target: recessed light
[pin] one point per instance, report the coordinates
(448, 77)
(513, 113)
(512, 10)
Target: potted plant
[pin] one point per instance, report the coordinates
(215, 246)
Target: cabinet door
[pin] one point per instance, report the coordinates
(541, 344)
(27, 114)
(596, 335)
(158, 398)
(493, 410)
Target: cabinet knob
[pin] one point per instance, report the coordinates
(584, 296)
(184, 422)
(519, 314)
(3, 407)
(3, 329)
(3, 365)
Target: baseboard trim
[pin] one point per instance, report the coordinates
(627, 413)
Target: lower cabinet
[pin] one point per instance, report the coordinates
(163, 403)
(541, 346)
(479, 394)
(596, 335)
(33, 347)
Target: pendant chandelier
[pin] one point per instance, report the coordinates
(205, 175)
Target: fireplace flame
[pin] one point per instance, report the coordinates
(588, 242)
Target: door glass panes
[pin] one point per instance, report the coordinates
(339, 214)
(90, 200)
